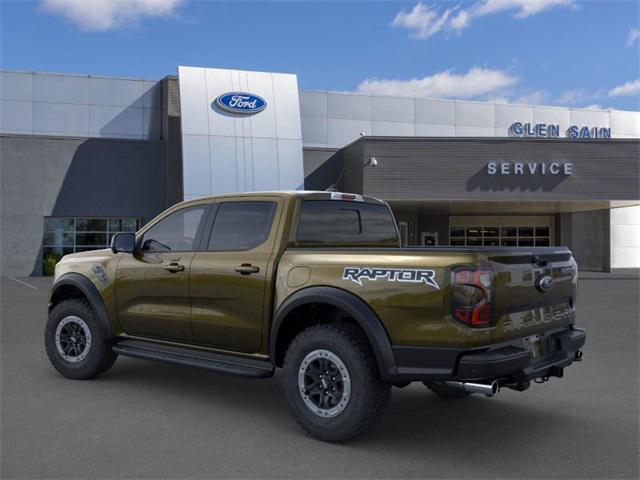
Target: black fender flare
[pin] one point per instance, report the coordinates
(92, 295)
(352, 305)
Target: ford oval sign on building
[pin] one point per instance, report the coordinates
(240, 103)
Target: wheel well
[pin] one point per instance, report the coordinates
(65, 292)
(305, 316)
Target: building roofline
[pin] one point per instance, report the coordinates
(463, 100)
(381, 138)
(77, 75)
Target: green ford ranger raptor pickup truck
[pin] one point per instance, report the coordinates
(318, 284)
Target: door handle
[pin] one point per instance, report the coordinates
(174, 267)
(246, 269)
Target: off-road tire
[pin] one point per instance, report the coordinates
(100, 356)
(446, 392)
(369, 395)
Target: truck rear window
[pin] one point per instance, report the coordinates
(334, 221)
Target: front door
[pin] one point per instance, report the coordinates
(230, 278)
(152, 285)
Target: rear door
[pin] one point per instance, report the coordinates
(231, 278)
(535, 291)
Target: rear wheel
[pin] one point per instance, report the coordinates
(74, 342)
(440, 389)
(332, 384)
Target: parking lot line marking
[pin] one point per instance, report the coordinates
(23, 283)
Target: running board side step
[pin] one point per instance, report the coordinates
(227, 364)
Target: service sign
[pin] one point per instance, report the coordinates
(530, 168)
(240, 103)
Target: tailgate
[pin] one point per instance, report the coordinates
(534, 291)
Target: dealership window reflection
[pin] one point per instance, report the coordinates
(63, 235)
(494, 236)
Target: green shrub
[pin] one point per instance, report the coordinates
(49, 263)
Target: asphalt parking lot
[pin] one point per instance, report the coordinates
(148, 420)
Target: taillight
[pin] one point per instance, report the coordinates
(471, 296)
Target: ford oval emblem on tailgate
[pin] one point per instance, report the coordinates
(544, 283)
(240, 103)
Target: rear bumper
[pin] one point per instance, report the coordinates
(498, 361)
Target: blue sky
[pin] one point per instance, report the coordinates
(558, 52)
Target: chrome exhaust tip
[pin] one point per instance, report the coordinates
(486, 389)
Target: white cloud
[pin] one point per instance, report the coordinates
(100, 15)
(633, 36)
(524, 8)
(595, 106)
(423, 21)
(538, 97)
(571, 97)
(475, 83)
(629, 88)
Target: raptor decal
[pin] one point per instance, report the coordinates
(402, 275)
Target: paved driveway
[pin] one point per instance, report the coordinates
(148, 420)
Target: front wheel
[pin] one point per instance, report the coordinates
(74, 342)
(332, 383)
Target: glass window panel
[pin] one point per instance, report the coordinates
(542, 242)
(474, 242)
(525, 231)
(88, 249)
(525, 242)
(241, 226)
(542, 231)
(115, 225)
(491, 231)
(474, 231)
(491, 241)
(175, 232)
(130, 224)
(332, 221)
(509, 242)
(58, 238)
(91, 239)
(91, 225)
(58, 223)
(457, 242)
(457, 231)
(123, 224)
(509, 231)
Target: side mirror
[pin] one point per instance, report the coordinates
(123, 242)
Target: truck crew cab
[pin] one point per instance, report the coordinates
(316, 283)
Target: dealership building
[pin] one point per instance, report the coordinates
(83, 157)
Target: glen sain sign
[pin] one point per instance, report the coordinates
(547, 130)
(240, 103)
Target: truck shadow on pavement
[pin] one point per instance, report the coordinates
(416, 420)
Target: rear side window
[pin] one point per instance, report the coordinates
(241, 225)
(332, 221)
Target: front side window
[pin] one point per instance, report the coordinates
(240, 226)
(174, 233)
